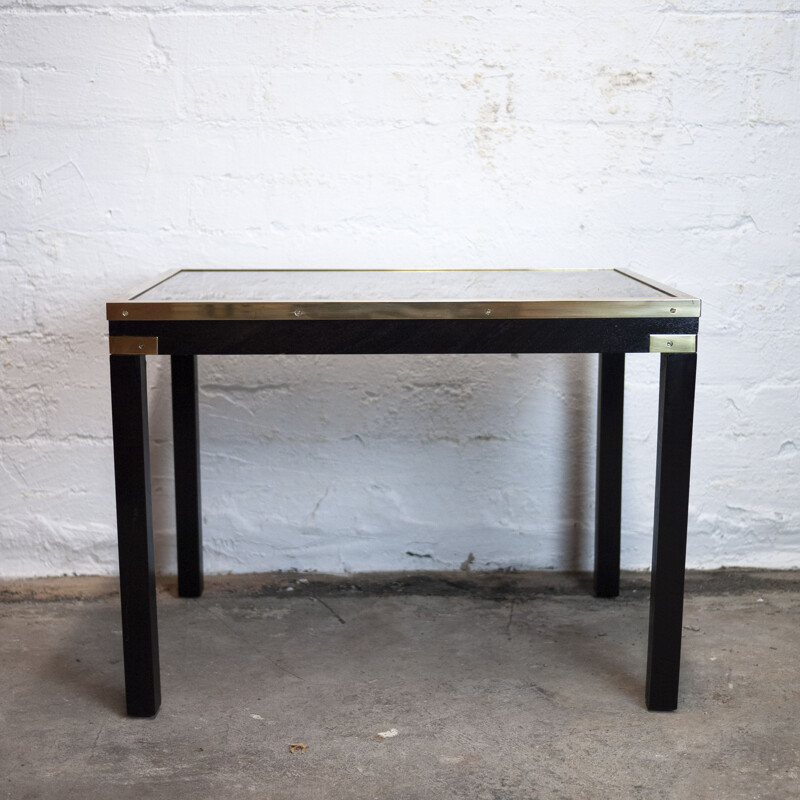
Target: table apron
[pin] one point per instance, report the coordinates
(319, 337)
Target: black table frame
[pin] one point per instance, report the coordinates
(184, 340)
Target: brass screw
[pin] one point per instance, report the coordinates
(124, 313)
(141, 346)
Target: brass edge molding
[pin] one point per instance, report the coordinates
(661, 287)
(392, 269)
(133, 345)
(143, 287)
(673, 343)
(376, 310)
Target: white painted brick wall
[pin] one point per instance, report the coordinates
(141, 135)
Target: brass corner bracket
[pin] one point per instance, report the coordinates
(673, 343)
(133, 345)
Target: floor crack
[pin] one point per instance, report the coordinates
(510, 618)
(221, 619)
(320, 600)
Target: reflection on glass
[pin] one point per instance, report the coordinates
(396, 286)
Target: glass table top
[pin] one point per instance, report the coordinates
(391, 294)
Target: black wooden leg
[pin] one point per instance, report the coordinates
(135, 535)
(187, 476)
(675, 413)
(608, 486)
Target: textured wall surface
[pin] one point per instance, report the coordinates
(142, 135)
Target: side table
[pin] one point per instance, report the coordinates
(187, 313)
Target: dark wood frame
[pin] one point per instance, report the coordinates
(611, 338)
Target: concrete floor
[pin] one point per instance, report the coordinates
(500, 686)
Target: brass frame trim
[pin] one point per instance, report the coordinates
(503, 309)
(675, 304)
(673, 343)
(133, 345)
(660, 287)
(141, 288)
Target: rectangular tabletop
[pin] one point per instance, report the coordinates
(200, 294)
